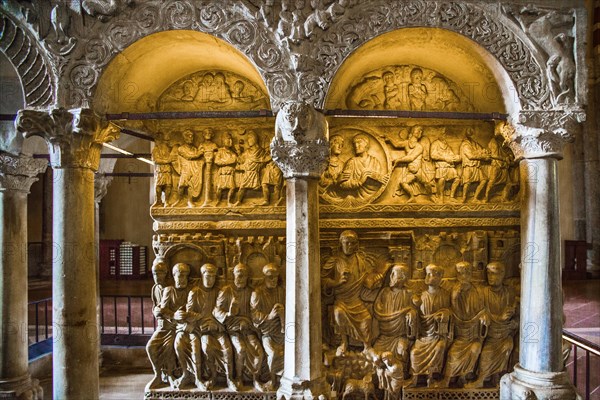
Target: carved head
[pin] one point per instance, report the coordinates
(336, 144)
(188, 136)
(159, 271)
(271, 273)
(227, 140)
(399, 275)
(349, 242)
(208, 134)
(238, 88)
(416, 75)
(207, 79)
(252, 138)
(495, 273)
(295, 121)
(181, 271)
(416, 132)
(299, 4)
(209, 275)
(464, 271)
(470, 132)
(361, 144)
(240, 276)
(433, 275)
(388, 77)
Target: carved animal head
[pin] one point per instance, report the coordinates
(298, 122)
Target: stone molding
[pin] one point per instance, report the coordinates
(300, 147)
(18, 173)
(74, 137)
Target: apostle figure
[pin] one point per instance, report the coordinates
(427, 354)
(192, 167)
(363, 174)
(208, 338)
(335, 166)
(163, 170)
(397, 316)
(268, 314)
(499, 168)
(347, 275)
(500, 305)
(233, 311)
(160, 346)
(470, 326)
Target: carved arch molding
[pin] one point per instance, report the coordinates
(239, 25)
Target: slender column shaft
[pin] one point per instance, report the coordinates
(303, 352)
(541, 297)
(46, 269)
(75, 353)
(13, 286)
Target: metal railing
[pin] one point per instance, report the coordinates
(580, 344)
(124, 320)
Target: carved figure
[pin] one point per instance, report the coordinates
(160, 346)
(363, 174)
(284, 26)
(271, 176)
(346, 275)
(234, 312)
(417, 91)
(427, 354)
(192, 166)
(163, 157)
(397, 317)
(390, 374)
(471, 155)
(444, 159)
(208, 340)
(331, 174)
(499, 168)
(318, 18)
(208, 148)
(297, 27)
(268, 314)
(444, 97)
(411, 163)
(470, 326)
(391, 92)
(362, 386)
(251, 163)
(500, 305)
(226, 159)
(170, 314)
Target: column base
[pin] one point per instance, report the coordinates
(522, 384)
(302, 390)
(22, 388)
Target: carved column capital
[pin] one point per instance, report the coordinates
(300, 147)
(74, 137)
(542, 134)
(19, 172)
(101, 183)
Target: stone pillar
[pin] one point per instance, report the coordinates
(540, 370)
(17, 174)
(300, 149)
(75, 141)
(46, 267)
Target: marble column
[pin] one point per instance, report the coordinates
(540, 371)
(301, 150)
(75, 141)
(17, 174)
(46, 266)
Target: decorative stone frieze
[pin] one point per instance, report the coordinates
(74, 137)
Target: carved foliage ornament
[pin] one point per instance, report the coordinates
(300, 146)
(19, 172)
(74, 137)
(226, 20)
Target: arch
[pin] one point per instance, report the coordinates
(476, 77)
(228, 21)
(29, 60)
(486, 26)
(139, 75)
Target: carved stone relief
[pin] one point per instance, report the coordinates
(407, 87)
(381, 293)
(213, 90)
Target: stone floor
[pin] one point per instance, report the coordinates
(582, 312)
